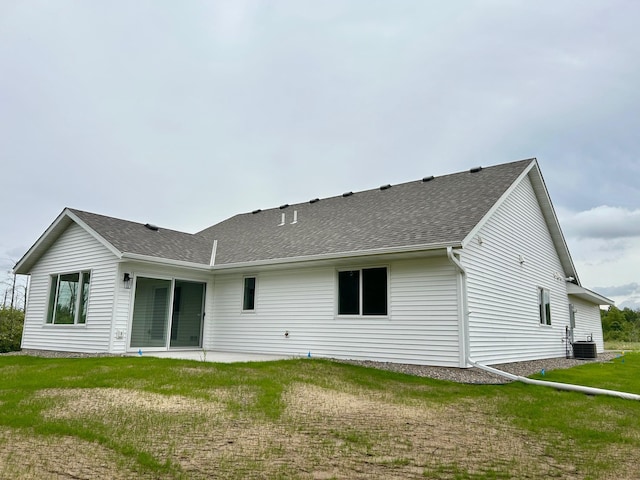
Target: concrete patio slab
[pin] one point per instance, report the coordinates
(213, 356)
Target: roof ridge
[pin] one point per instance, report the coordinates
(351, 193)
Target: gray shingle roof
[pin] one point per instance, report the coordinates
(132, 237)
(440, 211)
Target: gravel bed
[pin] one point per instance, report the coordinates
(460, 375)
(56, 354)
(476, 376)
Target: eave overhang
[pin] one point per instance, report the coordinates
(164, 261)
(588, 295)
(332, 257)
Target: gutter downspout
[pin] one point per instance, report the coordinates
(464, 308)
(559, 386)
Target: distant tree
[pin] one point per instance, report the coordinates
(13, 290)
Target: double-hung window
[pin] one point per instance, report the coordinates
(69, 298)
(544, 302)
(362, 292)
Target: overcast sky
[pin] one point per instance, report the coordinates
(185, 113)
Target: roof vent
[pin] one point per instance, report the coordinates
(427, 179)
(475, 169)
(151, 226)
(385, 187)
(284, 206)
(347, 194)
(314, 200)
(258, 210)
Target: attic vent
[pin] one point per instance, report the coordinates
(427, 179)
(347, 194)
(151, 226)
(257, 211)
(284, 206)
(385, 187)
(314, 200)
(475, 169)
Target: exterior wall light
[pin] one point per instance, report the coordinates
(127, 279)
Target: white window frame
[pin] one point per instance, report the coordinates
(544, 306)
(173, 279)
(255, 294)
(361, 292)
(52, 307)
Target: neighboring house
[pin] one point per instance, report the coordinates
(437, 271)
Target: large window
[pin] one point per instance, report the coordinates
(545, 306)
(362, 292)
(69, 298)
(249, 295)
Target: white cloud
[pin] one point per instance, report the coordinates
(620, 290)
(632, 303)
(603, 222)
(625, 296)
(605, 245)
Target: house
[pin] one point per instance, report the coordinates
(436, 271)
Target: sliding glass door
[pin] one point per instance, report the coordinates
(163, 306)
(186, 323)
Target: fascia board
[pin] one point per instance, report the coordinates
(336, 256)
(474, 231)
(95, 234)
(546, 205)
(45, 240)
(164, 261)
(589, 295)
(51, 234)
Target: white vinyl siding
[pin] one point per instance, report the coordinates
(421, 326)
(122, 310)
(588, 322)
(507, 263)
(74, 250)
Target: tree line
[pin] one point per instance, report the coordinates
(13, 296)
(11, 324)
(621, 325)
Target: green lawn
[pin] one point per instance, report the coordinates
(622, 346)
(304, 419)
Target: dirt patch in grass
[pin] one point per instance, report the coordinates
(241, 394)
(55, 457)
(625, 459)
(384, 438)
(78, 402)
(323, 433)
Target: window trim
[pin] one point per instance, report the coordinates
(255, 293)
(81, 303)
(360, 313)
(544, 307)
